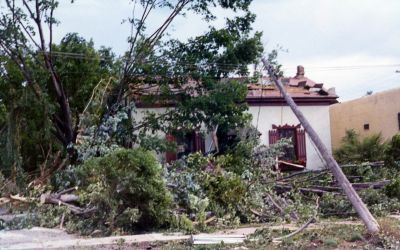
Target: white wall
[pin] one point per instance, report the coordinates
(318, 116)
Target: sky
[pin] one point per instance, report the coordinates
(352, 45)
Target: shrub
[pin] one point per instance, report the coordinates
(393, 151)
(225, 191)
(127, 189)
(353, 149)
(393, 189)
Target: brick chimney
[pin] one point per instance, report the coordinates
(300, 72)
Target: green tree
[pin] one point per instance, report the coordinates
(192, 73)
(81, 67)
(28, 131)
(26, 37)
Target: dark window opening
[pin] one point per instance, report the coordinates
(366, 126)
(186, 144)
(398, 119)
(289, 133)
(297, 154)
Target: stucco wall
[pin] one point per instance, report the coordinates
(318, 116)
(379, 110)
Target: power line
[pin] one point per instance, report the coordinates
(354, 66)
(312, 68)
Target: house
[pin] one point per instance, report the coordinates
(371, 114)
(273, 118)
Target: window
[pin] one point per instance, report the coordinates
(398, 119)
(186, 144)
(297, 135)
(366, 126)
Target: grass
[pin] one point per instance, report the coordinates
(325, 236)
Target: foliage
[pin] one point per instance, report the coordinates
(377, 201)
(353, 149)
(126, 189)
(329, 235)
(188, 74)
(393, 152)
(393, 189)
(99, 141)
(80, 74)
(201, 187)
(26, 34)
(28, 133)
(218, 186)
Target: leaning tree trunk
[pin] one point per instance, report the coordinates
(362, 210)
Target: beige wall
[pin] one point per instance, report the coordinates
(379, 110)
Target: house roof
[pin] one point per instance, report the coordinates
(303, 90)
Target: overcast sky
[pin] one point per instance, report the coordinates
(352, 45)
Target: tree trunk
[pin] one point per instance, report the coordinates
(362, 210)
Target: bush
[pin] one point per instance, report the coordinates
(393, 151)
(393, 189)
(353, 149)
(127, 189)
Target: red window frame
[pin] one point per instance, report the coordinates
(299, 140)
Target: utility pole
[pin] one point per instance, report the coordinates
(362, 210)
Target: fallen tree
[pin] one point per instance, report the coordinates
(358, 204)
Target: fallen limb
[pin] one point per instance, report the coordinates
(324, 171)
(310, 221)
(287, 188)
(68, 190)
(17, 197)
(53, 198)
(320, 190)
(259, 214)
(68, 198)
(4, 200)
(292, 214)
(374, 185)
(281, 210)
(275, 204)
(63, 199)
(209, 220)
(74, 209)
(298, 166)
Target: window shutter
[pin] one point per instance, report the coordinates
(170, 156)
(273, 136)
(301, 145)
